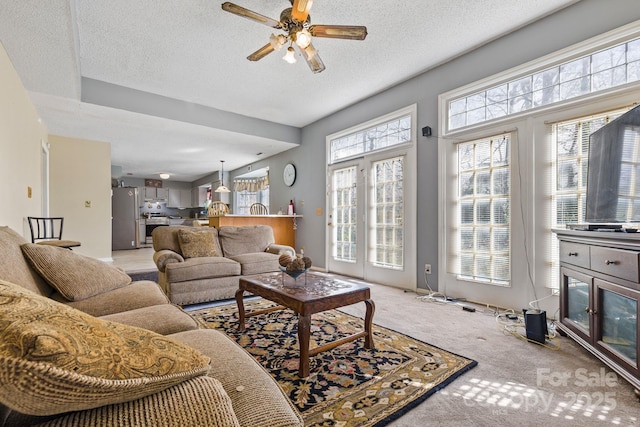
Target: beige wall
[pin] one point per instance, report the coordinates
(80, 171)
(21, 139)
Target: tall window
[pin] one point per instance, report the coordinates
(571, 143)
(344, 213)
(484, 210)
(387, 228)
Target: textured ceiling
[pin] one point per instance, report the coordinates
(180, 93)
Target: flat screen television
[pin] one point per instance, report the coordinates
(613, 173)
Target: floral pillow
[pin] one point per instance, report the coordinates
(55, 359)
(197, 243)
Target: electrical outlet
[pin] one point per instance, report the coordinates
(427, 269)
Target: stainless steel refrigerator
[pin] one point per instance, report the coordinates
(125, 213)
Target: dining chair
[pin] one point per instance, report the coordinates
(48, 231)
(258, 209)
(217, 208)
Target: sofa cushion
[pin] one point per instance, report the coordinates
(197, 402)
(245, 239)
(14, 267)
(197, 243)
(142, 293)
(256, 263)
(245, 380)
(56, 359)
(201, 268)
(75, 276)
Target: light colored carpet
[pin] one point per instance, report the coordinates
(516, 383)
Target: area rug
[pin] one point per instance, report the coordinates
(144, 275)
(348, 386)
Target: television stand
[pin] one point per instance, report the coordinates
(600, 297)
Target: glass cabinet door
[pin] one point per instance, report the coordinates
(617, 325)
(576, 307)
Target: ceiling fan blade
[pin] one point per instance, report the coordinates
(246, 13)
(352, 32)
(300, 9)
(261, 53)
(310, 54)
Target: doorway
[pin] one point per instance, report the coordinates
(371, 228)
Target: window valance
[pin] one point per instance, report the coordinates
(251, 185)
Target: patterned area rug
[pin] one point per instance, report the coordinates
(349, 385)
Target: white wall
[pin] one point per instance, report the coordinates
(21, 137)
(81, 172)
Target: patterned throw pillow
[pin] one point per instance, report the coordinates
(195, 244)
(55, 359)
(75, 276)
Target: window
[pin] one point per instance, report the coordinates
(247, 191)
(395, 130)
(605, 69)
(484, 210)
(571, 148)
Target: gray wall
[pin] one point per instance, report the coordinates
(574, 24)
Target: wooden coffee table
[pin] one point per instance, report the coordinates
(308, 295)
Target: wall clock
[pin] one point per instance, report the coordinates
(289, 174)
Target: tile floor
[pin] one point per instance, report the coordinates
(134, 260)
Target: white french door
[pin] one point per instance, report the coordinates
(371, 226)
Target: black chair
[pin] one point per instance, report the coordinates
(48, 231)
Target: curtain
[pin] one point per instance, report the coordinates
(251, 185)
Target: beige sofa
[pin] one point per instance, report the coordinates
(88, 347)
(212, 273)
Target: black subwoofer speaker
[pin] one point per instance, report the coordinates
(535, 323)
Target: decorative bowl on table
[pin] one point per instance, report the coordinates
(293, 273)
(294, 266)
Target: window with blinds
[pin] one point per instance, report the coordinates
(484, 189)
(570, 141)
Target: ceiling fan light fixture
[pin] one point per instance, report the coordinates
(277, 41)
(303, 38)
(290, 56)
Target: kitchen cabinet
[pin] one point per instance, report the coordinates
(600, 296)
(156, 194)
(198, 196)
(179, 198)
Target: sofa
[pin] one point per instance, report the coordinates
(202, 264)
(83, 345)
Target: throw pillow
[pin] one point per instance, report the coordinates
(55, 359)
(197, 243)
(75, 276)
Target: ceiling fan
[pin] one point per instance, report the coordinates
(295, 22)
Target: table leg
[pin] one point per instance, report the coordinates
(240, 302)
(368, 324)
(304, 333)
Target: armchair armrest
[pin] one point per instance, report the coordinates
(274, 248)
(164, 257)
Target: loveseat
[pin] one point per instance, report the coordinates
(83, 345)
(201, 264)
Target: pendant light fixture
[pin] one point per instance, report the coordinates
(222, 188)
